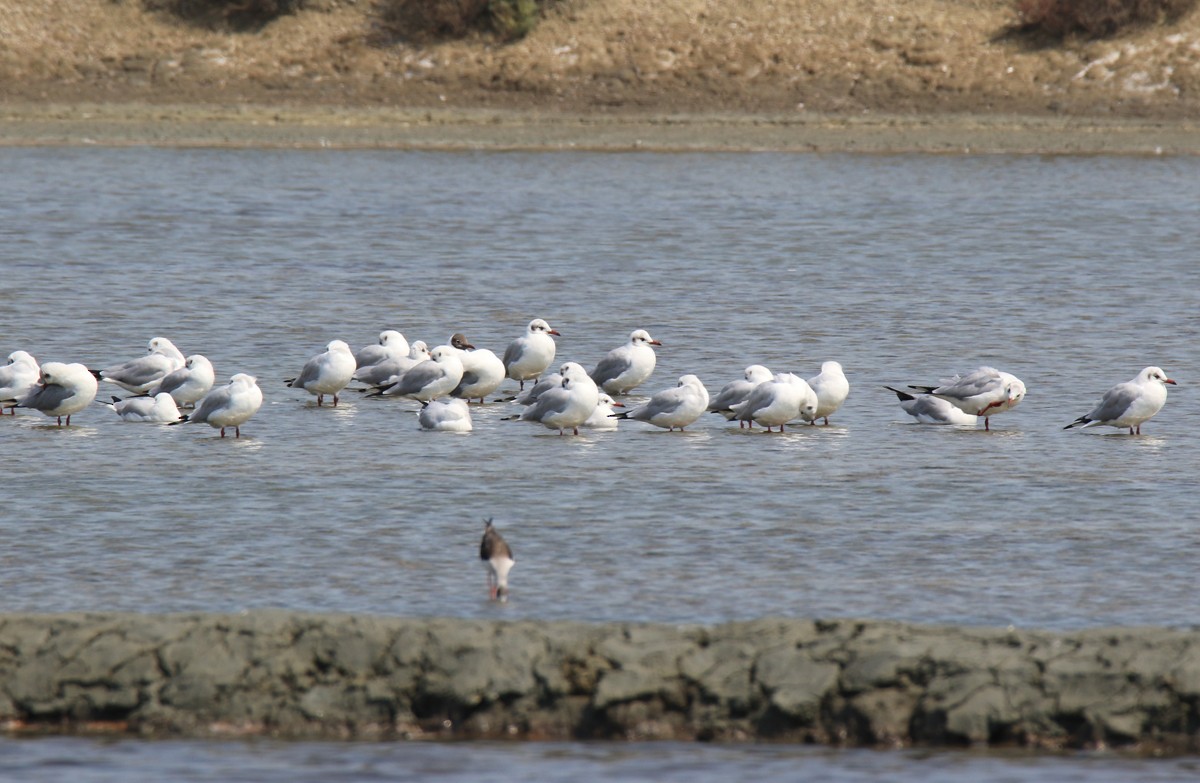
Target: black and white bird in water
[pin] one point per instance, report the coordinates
(497, 555)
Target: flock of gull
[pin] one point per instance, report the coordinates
(445, 379)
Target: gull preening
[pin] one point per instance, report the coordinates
(159, 409)
(927, 409)
(483, 372)
(444, 415)
(497, 556)
(17, 378)
(831, 388)
(671, 408)
(187, 384)
(1129, 404)
(138, 375)
(527, 357)
(230, 405)
(569, 405)
(326, 373)
(61, 390)
(984, 392)
(627, 366)
(736, 392)
(778, 401)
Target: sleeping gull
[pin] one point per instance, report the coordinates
(138, 375)
(671, 408)
(230, 405)
(17, 378)
(326, 373)
(778, 401)
(568, 406)
(187, 384)
(602, 418)
(984, 392)
(736, 392)
(497, 555)
(451, 415)
(435, 377)
(831, 388)
(927, 409)
(1129, 404)
(527, 357)
(483, 372)
(389, 371)
(391, 345)
(62, 389)
(159, 409)
(626, 366)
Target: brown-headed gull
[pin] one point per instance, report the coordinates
(389, 371)
(1128, 404)
(326, 373)
(927, 409)
(778, 401)
(627, 366)
(17, 378)
(671, 408)
(159, 409)
(435, 377)
(61, 390)
(391, 345)
(831, 388)
(138, 375)
(568, 406)
(445, 415)
(736, 392)
(187, 384)
(527, 357)
(230, 405)
(497, 556)
(483, 372)
(984, 392)
(602, 418)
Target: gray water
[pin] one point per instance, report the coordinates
(1072, 273)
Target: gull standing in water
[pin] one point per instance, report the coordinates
(984, 392)
(927, 409)
(391, 345)
(736, 392)
(138, 375)
(778, 401)
(497, 555)
(603, 418)
(326, 373)
(527, 357)
(435, 377)
(568, 406)
(1129, 404)
(389, 371)
(671, 408)
(17, 378)
(628, 365)
(61, 390)
(187, 384)
(483, 372)
(230, 405)
(831, 388)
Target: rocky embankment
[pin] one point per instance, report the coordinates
(839, 681)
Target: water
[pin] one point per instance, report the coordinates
(1072, 273)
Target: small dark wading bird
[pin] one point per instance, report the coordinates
(497, 555)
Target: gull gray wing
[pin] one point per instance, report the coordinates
(513, 353)
(610, 367)
(214, 401)
(551, 402)
(417, 378)
(46, 398)
(1115, 402)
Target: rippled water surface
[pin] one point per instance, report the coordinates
(1072, 273)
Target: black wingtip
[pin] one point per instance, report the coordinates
(96, 374)
(1080, 420)
(182, 420)
(903, 395)
(923, 389)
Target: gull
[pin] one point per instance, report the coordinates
(497, 555)
(1129, 404)
(778, 401)
(984, 392)
(445, 416)
(927, 409)
(17, 378)
(628, 365)
(568, 406)
(545, 383)
(326, 373)
(159, 409)
(187, 384)
(61, 390)
(435, 377)
(527, 357)
(138, 375)
(736, 392)
(230, 405)
(832, 388)
(389, 371)
(602, 418)
(671, 408)
(483, 372)
(391, 345)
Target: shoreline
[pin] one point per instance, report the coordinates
(290, 126)
(841, 682)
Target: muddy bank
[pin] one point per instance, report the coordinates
(840, 681)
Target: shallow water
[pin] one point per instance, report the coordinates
(1072, 273)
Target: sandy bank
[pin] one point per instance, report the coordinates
(839, 681)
